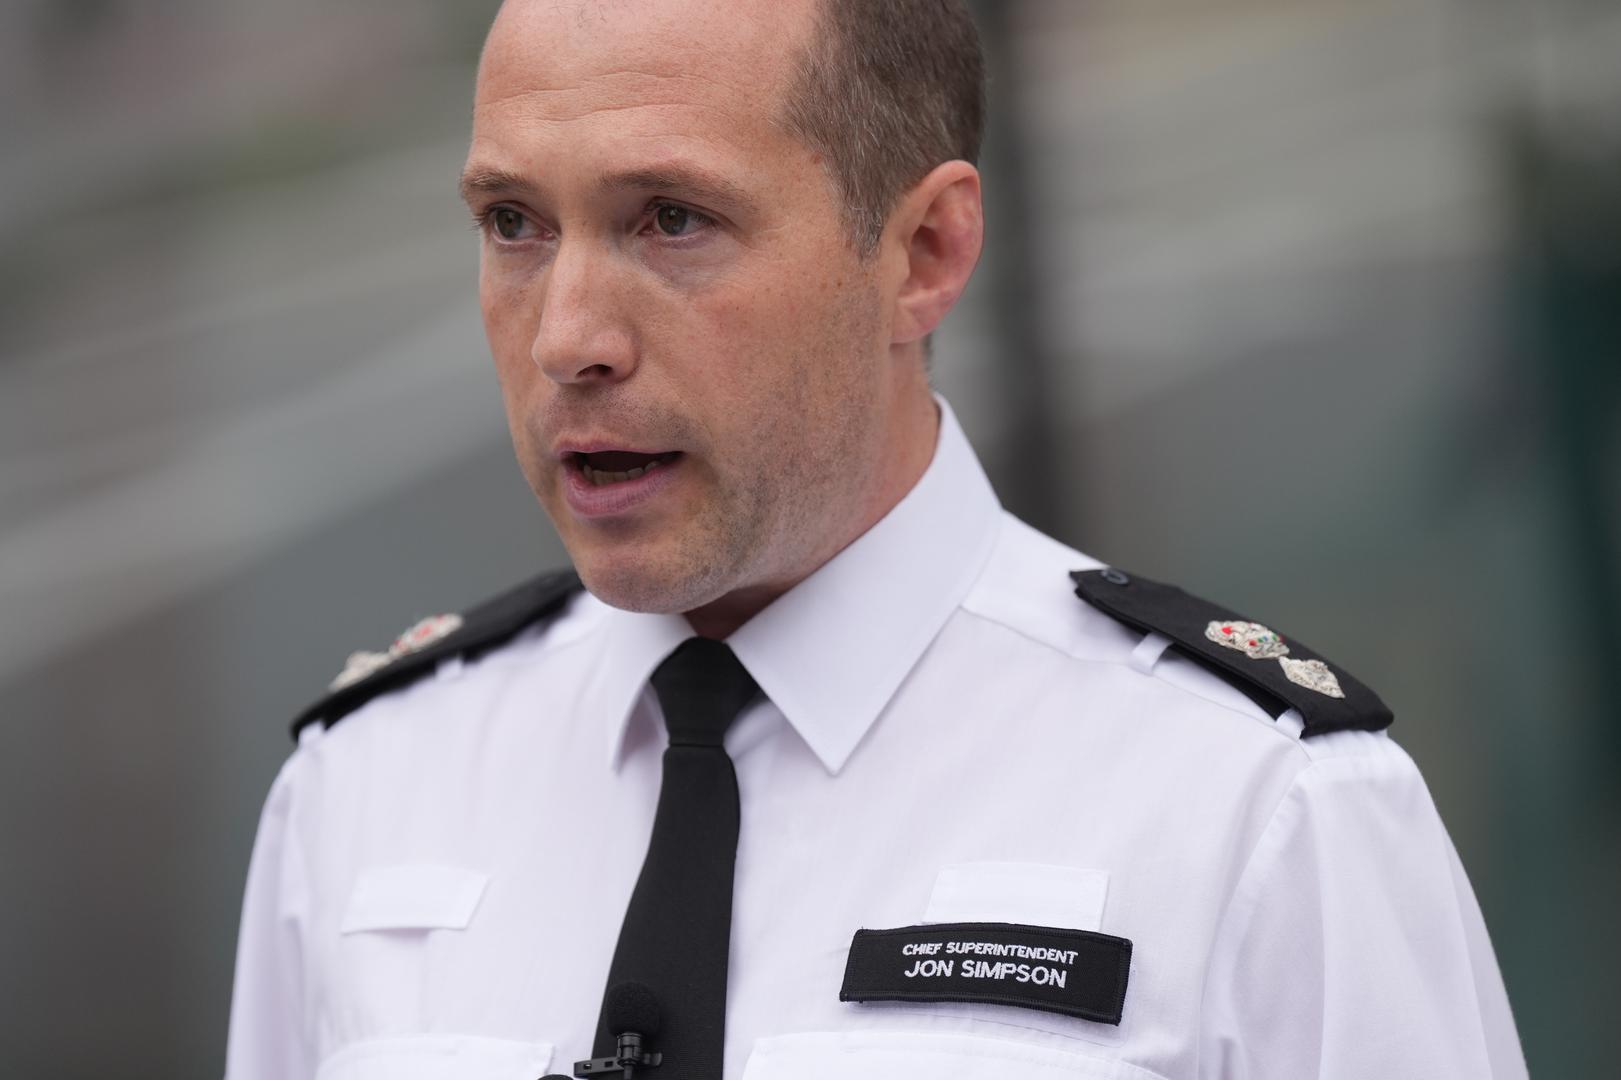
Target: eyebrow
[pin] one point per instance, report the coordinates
(673, 179)
(487, 181)
(699, 183)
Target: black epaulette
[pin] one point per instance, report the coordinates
(485, 627)
(1277, 675)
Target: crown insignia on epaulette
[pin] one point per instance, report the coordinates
(423, 633)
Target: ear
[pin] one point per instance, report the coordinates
(935, 236)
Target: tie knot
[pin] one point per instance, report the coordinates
(702, 686)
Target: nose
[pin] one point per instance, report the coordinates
(584, 334)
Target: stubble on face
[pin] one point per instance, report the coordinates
(782, 485)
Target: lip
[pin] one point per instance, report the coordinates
(590, 501)
(564, 450)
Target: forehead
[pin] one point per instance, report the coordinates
(704, 69)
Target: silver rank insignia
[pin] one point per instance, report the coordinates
(361, 665)
(1250, 638)
(424, 633)
(1313, 675)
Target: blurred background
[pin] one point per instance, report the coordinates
(1313, 307)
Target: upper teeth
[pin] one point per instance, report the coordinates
(603, 476)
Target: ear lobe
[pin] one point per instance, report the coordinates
(943, 231)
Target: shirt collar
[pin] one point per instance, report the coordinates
(832, 651)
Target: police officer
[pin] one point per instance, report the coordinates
(818, 763)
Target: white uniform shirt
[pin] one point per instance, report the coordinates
(950, 735)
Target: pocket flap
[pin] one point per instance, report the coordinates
(420, 896)
(437, 1057)
(894, 1055)
(1030, 893)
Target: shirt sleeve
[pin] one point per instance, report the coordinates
(267, 1037)
(1353, 948)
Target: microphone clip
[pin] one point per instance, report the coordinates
(628, 1057)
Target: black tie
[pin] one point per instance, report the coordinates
(678, 926)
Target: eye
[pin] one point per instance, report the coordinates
(507, 223)
(674, 220)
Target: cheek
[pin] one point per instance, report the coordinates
(511, 315)
(811, 328)
(510, 328)
(766, 318)
(797, 387)
(511, 308)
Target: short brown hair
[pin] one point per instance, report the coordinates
(886, 90)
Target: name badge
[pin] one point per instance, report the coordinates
(1074, 972)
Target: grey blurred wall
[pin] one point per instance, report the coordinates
(1312, 307)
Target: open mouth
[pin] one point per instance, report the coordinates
(617, 466)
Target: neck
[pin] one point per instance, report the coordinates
(914, 449)
(721, 618)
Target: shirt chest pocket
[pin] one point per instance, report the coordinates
(885, 1055)
(402, 951)
(1010, 892)
(418, 896)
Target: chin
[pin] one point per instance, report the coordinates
(647, 581)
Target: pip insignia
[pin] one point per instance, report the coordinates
(359, 666)
(1313, 675)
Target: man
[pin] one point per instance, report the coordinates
(829, 772)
